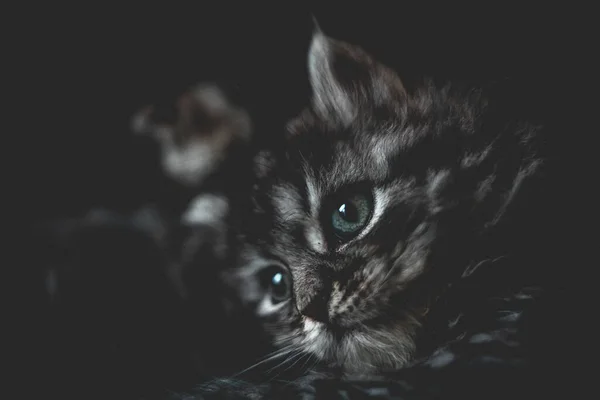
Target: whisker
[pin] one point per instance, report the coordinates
(299, 358)
(269, 357)
(310, 357)
(298, 352)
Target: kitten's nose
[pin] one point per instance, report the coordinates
(317, 309)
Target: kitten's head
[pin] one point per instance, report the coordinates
(198, 138)
(371, 205)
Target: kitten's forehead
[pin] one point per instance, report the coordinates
(335, 159)
(352, 162)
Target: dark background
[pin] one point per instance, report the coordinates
(84, 71)
(88, 69)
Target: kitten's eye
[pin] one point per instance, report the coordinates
(278, 281)
(350, 215)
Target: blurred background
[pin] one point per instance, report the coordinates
(88, 69)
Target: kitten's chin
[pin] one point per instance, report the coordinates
(361, 350)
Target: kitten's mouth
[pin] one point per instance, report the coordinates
(324, 340)
(358, 350)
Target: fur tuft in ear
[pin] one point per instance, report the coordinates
(345, 79)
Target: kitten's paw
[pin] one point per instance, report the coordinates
(196, 141)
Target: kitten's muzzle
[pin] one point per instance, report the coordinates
(338, 313)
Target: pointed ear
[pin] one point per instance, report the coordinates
(345, 79)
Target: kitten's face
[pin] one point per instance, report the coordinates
(368, 205)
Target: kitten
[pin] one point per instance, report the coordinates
(399, 231)
(204, 148)
(377, 201)
(162, 261)
(199, 139)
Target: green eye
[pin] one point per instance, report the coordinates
(351, 214)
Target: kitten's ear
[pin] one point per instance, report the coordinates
(344, 78)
